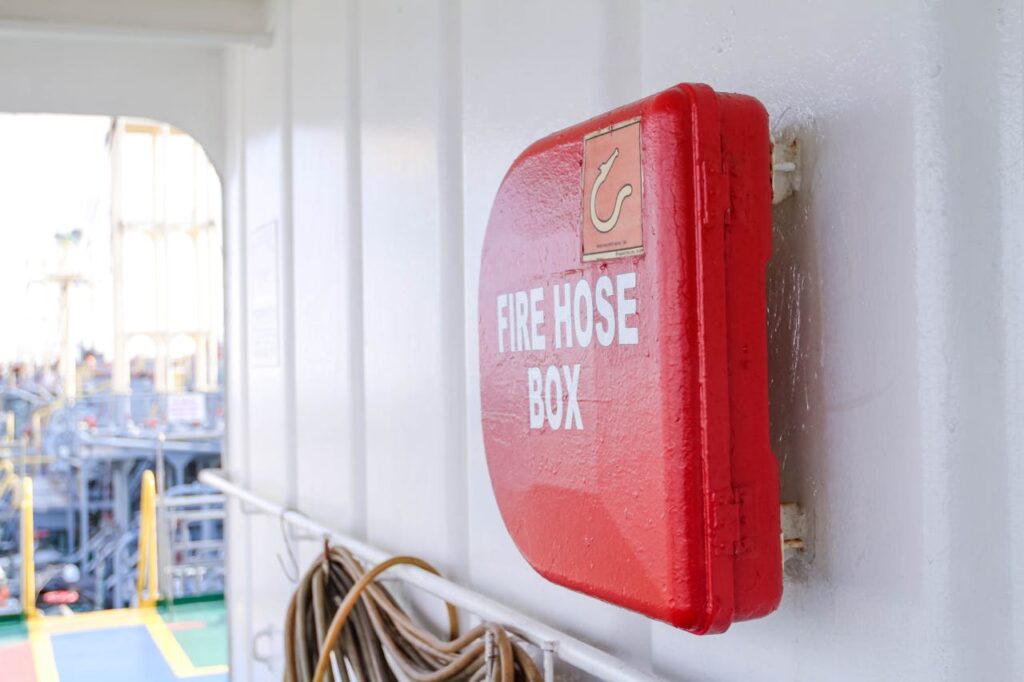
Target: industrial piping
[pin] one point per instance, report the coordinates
(576, 653)
(28, 551)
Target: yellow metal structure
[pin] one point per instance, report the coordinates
(8, 477)
(28, 550)
(147, 581)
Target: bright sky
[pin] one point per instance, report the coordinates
(54, 177)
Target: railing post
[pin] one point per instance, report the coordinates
(147, 580)
(162, 529)
(28, 554)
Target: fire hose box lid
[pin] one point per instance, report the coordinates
(623, 358)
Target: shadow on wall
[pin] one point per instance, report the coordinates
(795, 343)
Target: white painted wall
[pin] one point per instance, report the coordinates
(374, 134)
(194, 20)
(175, 82)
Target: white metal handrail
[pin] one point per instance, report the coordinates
(573, 651)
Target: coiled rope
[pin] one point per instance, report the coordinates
(370, 637)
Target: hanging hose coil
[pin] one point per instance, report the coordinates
(371, 638)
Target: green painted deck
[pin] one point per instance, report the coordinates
(202, 630)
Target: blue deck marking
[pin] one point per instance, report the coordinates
(121, 654)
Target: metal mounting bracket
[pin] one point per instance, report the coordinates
(785, 168)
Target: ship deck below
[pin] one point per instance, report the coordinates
(186, 641)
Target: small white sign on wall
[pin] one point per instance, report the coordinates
(186, 408)
(263, 297)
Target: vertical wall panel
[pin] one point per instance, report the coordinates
(960, 330)
(263, 102)
(328, 341)
(1011, 156)
(266, 107)
(523, 78)
(236, 452)
(409, 413)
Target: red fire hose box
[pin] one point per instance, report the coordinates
(623, 358)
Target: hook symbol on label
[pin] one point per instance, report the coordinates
(625, 191)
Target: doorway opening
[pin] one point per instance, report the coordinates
(111, 380)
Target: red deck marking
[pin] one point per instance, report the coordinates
(16, 662)
(186, 625)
